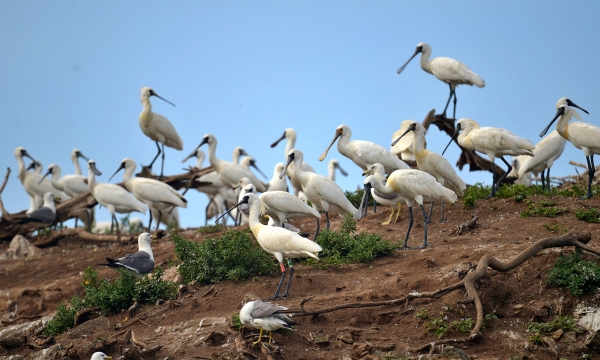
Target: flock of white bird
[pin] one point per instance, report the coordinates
(232, 188)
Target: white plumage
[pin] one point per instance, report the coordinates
(332, 167)
(546, 152)
(264, 316)
(392, 200)
(100, 356)
(290, 135)
(448, 70)
(276, 183)
(403, 149)
(363, 153)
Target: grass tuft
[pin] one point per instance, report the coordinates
(578, 275)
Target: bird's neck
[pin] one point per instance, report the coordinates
(425, 62)
(562, 125)
(291, 142)
(212, 157)
(76, 165)
(418, 142)
(91, 180)
(128, 177)
(146, 248)
(50, 205)
(331, 174)
(22, 170)
(382, 188)
(254, 219)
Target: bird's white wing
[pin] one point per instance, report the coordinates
(443, 167)
(111, 194)
(287, 203)
(166, 132)
(156, 191)
(452, 70)
(585, 135)
(370, 153)
(329, 191)
(494, 139)
(75, 184)
(279, 240)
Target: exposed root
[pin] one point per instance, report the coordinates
(471, 224)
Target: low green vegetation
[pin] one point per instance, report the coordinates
(556, 228)
(210, 229)
(111, 296)
(578, 275)
(355, 197)
(543, 208)
(538, 330)
(591, 215)
(346, 247)
(235, 255)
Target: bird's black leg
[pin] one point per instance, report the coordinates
(162, 164)
(508, 169)
(430, 210)
(159, 218)
(454, 92)
(156, 157)
(76, 221)
(448, 102)
(327, 217)
(493, 180)
(543, 181)
(150, 222)
(287, 288)
(276, 295)
(316, 231)
(112, 224)
(548, 179)
(591, 173)
(89, 220)
(425, 225)
(410, 224)
(374, 206)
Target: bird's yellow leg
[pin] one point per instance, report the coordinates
(398, 213)
(387, 222)
(259, 337)
(270, 336)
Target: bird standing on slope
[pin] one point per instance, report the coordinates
(265, 316)
(157, 127)
(140, 263)
(278, 241)
(290, 135)
(448, 70)
(46, 214)
(546, 152)
(584, 136)
(493, 142)
(433, 164)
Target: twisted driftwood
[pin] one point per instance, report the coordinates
(579, 240)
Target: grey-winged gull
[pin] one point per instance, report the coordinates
(139, 263)
(100, 356)
(265, 316)
(47, 213)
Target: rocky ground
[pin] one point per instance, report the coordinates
(198, 324)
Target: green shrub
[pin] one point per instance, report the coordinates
(234, 256)
(537, 330)
(346, 247)
(64, 318)
(210, 229)
(591, 215)
(578, 275)
(355, 197)
(543, 208)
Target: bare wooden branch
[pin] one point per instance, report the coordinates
(185, 180)
(55, 236)
(2, 209)
(466, 226)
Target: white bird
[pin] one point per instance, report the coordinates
(332, 167)
(363, 153)
(100, 356)
(546, 152)
(241, 216)
(169, 217)
(290, 135)
(237, 153)
(200, 156)
(323, 193)
(277, 184)
(113, 197)
(412, 185)
(249, 162)
(278, 241)
(229, 173)
(583, 136)
(155, 194)
(31, 182)
(157, 127)
(403, 149)
(494, 142)
(264, 316)
(517, 162)
(448, 70)
(393, 200)
(139, 263)
(75, 155)
(434, 164)
(73, 185)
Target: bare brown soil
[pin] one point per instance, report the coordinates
(197, 325)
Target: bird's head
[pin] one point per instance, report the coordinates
(410, 128)
(292, 155)
(92, 167)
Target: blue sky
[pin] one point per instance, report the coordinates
(71, 71)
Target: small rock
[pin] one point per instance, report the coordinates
(46, 353)
(557, 334)
(453, 353)
(89, 327)
(568, 337)
(346, 338)
(518, 307)
(387, 347)
(19, 248)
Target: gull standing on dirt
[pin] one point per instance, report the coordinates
(139, 263)
(47, 213)
(265, 316)
(322, 193)
(157, 127)
(155, 194)
(277, 241)
(332, 167)
(363, 153)
(393, 200)
(546, 152)
(583, 136)
(412, 185)
(229, 173)
(448, 70)
(494, 142)
(100, 356)
(113, 197)
(290, 135)
(433, 164)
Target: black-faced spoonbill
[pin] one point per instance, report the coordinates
(139, 263)
(75, 155)
(290, 135)
(448, 70)
(278, 241)
(157, 127)
(323, 193)
(363, 153)
(546, 152)
(494, 142)
(155, 194)
(412, 185)
(433, 164)
(73, 185)
(265, 316)
(584, 136)
(277, 184)
(393, 200)
(100, 356)
(403, 149)
(249, 162)
(332, 167)
(229, 173)
(113, 197)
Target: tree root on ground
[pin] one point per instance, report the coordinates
(471, 224)
(576, 239)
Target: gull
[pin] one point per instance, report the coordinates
(46, 214)
(100, 356)
(139, 263)
(265, 316)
